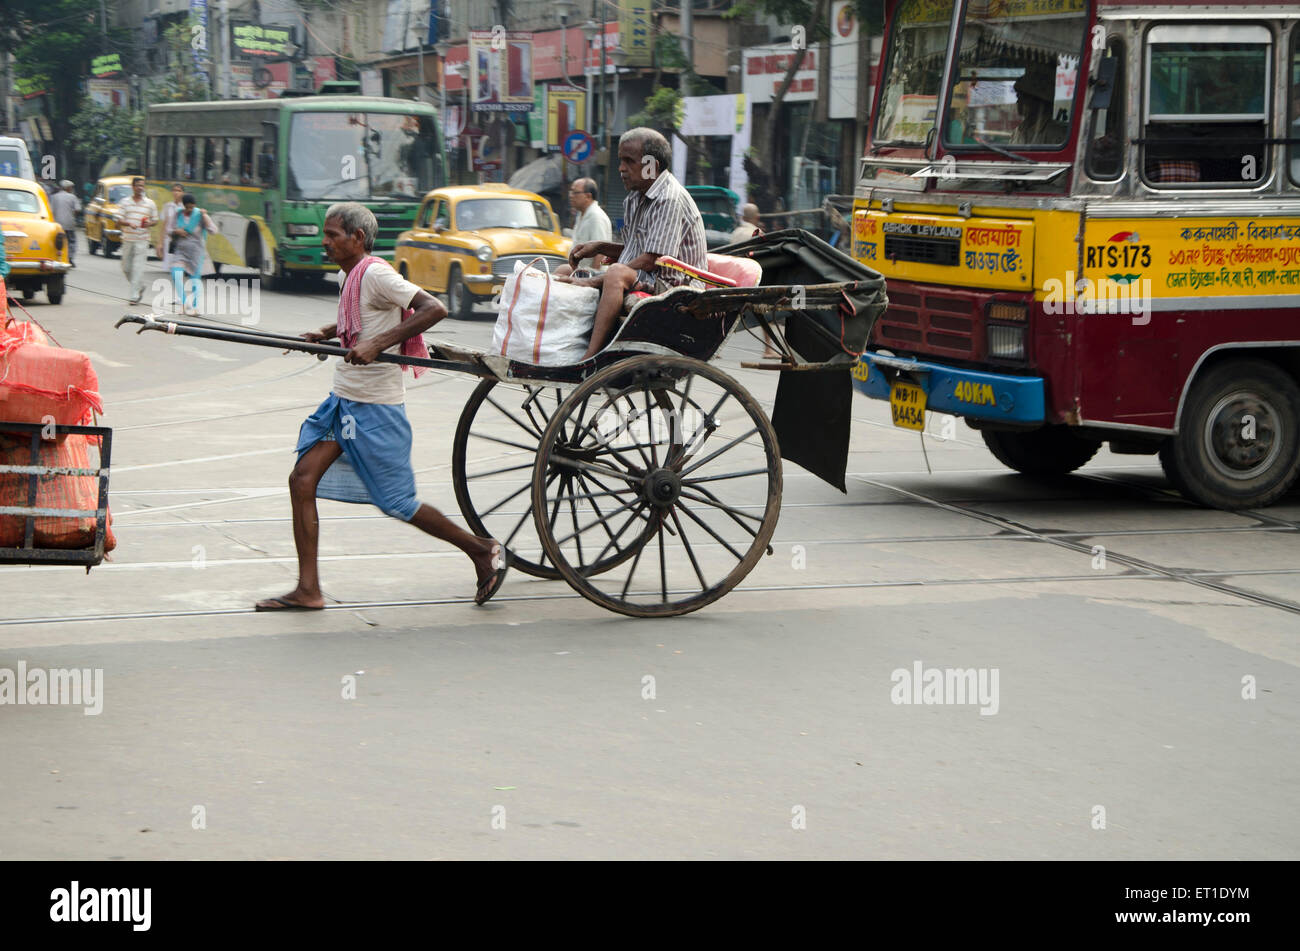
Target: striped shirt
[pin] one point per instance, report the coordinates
(664, 220)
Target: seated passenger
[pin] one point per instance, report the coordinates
(659, 218)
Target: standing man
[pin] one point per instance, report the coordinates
(66, 205)
(364, 418)
(660, 218)
(138, 215)
(592, 223)
(749, 225)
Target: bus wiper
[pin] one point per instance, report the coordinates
(999, 149)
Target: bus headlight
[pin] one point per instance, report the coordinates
(1006, 343)
(305, 231)
(484, 253)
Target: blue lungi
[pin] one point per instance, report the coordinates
(376, 463)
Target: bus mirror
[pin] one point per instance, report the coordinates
(1103, 87)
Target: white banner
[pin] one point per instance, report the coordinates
(717, 115)
(843, 100)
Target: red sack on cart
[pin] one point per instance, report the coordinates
(52, 491)
(39, 381)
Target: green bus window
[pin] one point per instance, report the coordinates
(245, 161)
(266, 164)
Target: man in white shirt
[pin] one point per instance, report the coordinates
(137, 215)
(356, 447)
(592, 224)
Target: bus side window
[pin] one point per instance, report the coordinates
(245, 161)
(1292, 129)
(211, 159)
(1206, 115)
(266, 164)
(1107, 138)
(187, 165)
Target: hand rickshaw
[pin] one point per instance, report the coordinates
(645, 477)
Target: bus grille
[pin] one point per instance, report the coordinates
(932, 323)
(902, 247)
(392, 222)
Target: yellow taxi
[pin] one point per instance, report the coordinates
(36, 246)
(467, 238)
(102, 230)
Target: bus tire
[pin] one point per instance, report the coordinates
(272, 280)
(1238, 442)
(1050, 451)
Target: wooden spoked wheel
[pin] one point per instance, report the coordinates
(492, 461)
(666, 457)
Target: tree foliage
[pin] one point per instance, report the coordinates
(98, 133)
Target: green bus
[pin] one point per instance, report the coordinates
(266, 170)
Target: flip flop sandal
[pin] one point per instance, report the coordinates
(283, 604)
(490, 587)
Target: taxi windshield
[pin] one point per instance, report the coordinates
(119, 192)
(479, 213)
(1014, 81)
(917, 45)
(11, 199)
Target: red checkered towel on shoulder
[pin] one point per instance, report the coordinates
(349, 323)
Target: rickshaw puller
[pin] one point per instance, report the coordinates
(364, 417)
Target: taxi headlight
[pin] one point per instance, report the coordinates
(484, 253)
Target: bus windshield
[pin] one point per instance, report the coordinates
(360, 156)
(917, 46)
(1016, 71)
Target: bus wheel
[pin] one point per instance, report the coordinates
(1050, 451)
(1238, 443)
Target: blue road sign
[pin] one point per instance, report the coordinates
(578, 146)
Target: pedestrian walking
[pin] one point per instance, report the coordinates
(137, 215)
(356, 447)
(190, 229)
(66, 204)
(169, 225)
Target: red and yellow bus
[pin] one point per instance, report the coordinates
(1088, 212)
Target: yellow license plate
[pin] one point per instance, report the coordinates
(907, 406)
(13, 245)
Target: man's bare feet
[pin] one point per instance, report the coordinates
(295, 600)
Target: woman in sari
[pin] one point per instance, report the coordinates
(188, 253)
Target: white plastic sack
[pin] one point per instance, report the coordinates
(543, 321)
